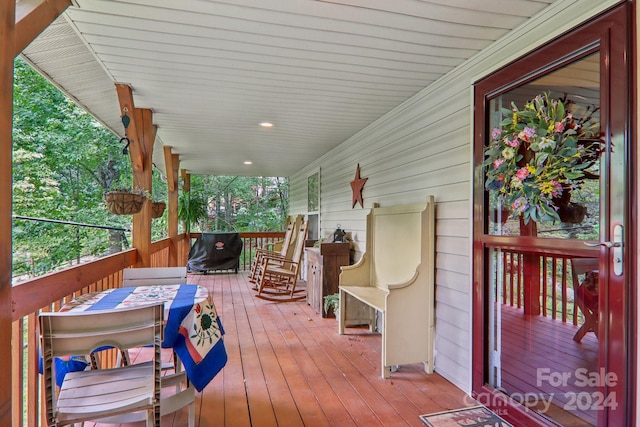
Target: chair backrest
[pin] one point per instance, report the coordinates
(580, 267)
(298, 247)
(154, 276)
(399, 239)
(81, 332)
(297, 223)
(283, 246)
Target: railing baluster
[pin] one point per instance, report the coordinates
(545, 284)
(564, 289)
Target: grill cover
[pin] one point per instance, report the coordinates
(215, 251)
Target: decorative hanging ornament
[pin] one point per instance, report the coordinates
(125, 119)
(125, 122)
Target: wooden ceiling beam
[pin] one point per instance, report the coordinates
(33, 17)
(136, 148)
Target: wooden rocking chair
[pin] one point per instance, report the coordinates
(278, 275)
(283, 248)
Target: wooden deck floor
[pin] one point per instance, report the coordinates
(289, 367)
(535, 342)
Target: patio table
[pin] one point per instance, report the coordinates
(192, 327)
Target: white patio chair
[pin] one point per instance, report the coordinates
(94, 394)
(154, 276)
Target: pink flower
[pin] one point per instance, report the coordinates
(495, 133)
(513, 143)
(497, 163)
(559, 127)
(522, 173)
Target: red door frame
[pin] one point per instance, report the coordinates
(611, 34)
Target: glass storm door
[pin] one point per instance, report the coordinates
(550, 297)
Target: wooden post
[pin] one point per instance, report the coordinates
(531, 270)
(142, 134)
(172, 163)
(186, 187)
(7, 37)
(141, 227)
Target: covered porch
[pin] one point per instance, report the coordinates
(394, 99)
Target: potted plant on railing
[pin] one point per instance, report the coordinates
(538, 156)
(122, 201)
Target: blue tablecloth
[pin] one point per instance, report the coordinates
(193, 328)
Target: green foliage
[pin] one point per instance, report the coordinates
(63, 160)
(192, 208)
(331, 302)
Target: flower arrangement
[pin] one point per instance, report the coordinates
(539, 153)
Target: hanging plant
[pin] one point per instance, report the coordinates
(124, 201)
(157, 209)
(191, 209)
(538, 156)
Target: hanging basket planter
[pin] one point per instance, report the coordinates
(157, 209)
(124, 202)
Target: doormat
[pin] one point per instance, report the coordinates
(475, 416)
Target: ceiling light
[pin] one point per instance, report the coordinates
(266, 124)
(248, 162)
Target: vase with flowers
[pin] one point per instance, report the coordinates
(538, 156)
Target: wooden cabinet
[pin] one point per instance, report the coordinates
(323, 270)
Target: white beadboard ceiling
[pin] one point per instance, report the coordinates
(212, 71)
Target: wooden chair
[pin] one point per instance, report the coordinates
(283, 248)
(585, 294)
(94, 394)
(278, 275)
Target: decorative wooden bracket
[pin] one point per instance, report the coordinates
(136, 150)
(172, 163)
(186, 178)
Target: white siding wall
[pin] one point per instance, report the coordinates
(424, 147)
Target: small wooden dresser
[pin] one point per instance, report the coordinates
(323, 271)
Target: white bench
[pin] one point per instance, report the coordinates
(395, 277)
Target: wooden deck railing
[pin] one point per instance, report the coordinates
(556, 289)
(52, 291)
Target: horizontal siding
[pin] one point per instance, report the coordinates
(423, 147)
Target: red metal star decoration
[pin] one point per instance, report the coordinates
(356, 187)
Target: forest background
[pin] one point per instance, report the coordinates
(64, 161)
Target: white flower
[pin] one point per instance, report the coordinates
(508, 153)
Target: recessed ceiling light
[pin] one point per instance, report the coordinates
(248, 162)
(266, 124)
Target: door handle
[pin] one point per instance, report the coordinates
(607, 244)
(617, 245)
